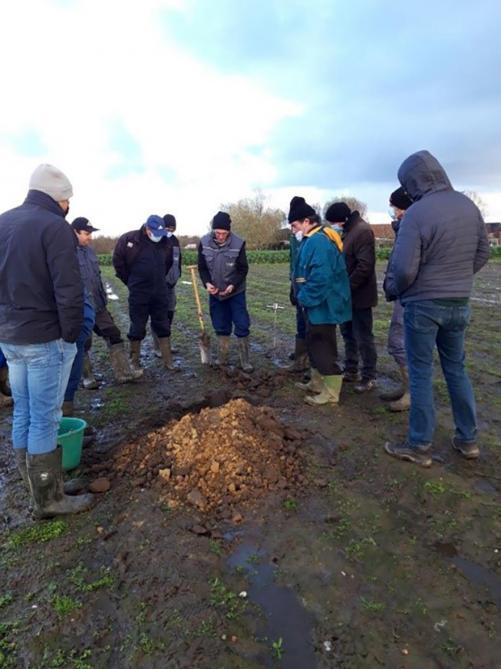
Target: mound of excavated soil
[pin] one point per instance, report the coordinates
(217, 458)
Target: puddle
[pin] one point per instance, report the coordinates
(478, 575)
(483, 485)
(284, 615)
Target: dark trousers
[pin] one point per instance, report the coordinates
(321, 344)
(141, 308)
(359, 342)
(230, 314)
(300, 323)
(77, 366)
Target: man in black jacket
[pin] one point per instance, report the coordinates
(223, 267)
(442, 242)
(359, 248)
(142, 260)
(41, 315)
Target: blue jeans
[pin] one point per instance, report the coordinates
(77, 366)
(228, 313)
(428, 324)
(38, 377)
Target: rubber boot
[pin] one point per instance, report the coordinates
(45, 475)
(330, 392)
(404, 402)
(88, 379)
(4, 381)
(314, 385)
(243, 352)
(122, 371)
(164, 343)
(135, 355)
(156, 345)
(223, 349)
(70, 487)
(301, 360)
(396, 394)
(68, 408)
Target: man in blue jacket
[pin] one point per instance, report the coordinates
(323, 291)
(41, 315)
(442, 242)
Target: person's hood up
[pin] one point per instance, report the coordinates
(421, 174)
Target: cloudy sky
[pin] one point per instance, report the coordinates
(180, 105)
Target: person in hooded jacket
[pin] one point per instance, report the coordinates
(41, 316)
(172, 277)
(223, 268)
(323, 292)
(359, 247)
(142, 259)
(442, 242)
(399, 399)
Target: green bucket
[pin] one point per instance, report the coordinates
(70, 437)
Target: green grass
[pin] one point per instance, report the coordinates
(37, 534)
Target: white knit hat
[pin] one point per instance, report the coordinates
(53, 182)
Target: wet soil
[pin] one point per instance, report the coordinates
(333, 554)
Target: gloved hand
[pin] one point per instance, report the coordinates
(292, 296)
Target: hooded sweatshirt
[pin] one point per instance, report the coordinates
(442, 240)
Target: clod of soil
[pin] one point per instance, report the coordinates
(216, 459)
(100, 485)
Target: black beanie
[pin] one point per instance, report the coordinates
(299, 209)
(338, 212)
(221, 221)
(170, 221)
(400, 199)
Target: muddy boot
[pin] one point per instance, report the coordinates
(223, 348)
(4, 381)
(135, 355)
(122, 371)
(45, 475)
(20, 456)
(88, 379)
(397, 393)
(243, 352)
(314, 385)
(156, 345)
(164, 343)
(330, 392)
(403, 404)
(68, 408)
(301, 360)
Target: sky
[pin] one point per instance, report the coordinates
(181, 106)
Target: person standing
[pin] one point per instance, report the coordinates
(142, 259)
(5, 391)
(323, 292)
(223, 267)
(104, 325)
(172, 277)
(442, 242)
(300, 362)
(400, 399)
(41, 315)
(359, 248)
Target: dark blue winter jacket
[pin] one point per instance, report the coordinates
(41, 290)
(442, 240)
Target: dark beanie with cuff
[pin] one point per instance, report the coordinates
(170, 221)
(400, 199)
(338, 212)
(299, 209)
(221, 221)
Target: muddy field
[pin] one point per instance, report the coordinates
(245, 530)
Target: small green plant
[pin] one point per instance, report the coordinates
(223, 598)
(5, 600)
(278, 648)
(78, 578)
(372, 606)
(38, 534)
(64, 605)
(290, 504)
(215, 547)
(435, 487)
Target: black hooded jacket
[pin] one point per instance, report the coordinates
(442, 240)
(41, 290)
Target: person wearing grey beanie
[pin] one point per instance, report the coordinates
(54, 183)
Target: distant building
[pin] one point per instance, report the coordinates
(494, 233)
(190, 247)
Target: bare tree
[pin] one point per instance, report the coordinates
(476, 199)
(352, 202)
(259, 225)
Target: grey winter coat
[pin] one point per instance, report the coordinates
(442, 240)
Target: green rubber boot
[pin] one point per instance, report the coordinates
(330, 392)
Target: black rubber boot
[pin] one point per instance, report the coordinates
(45, 476)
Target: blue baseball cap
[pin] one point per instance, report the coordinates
(156, 225)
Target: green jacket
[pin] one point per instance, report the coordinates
(322, 284)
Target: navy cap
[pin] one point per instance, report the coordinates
(81, 224)
(156, 225)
